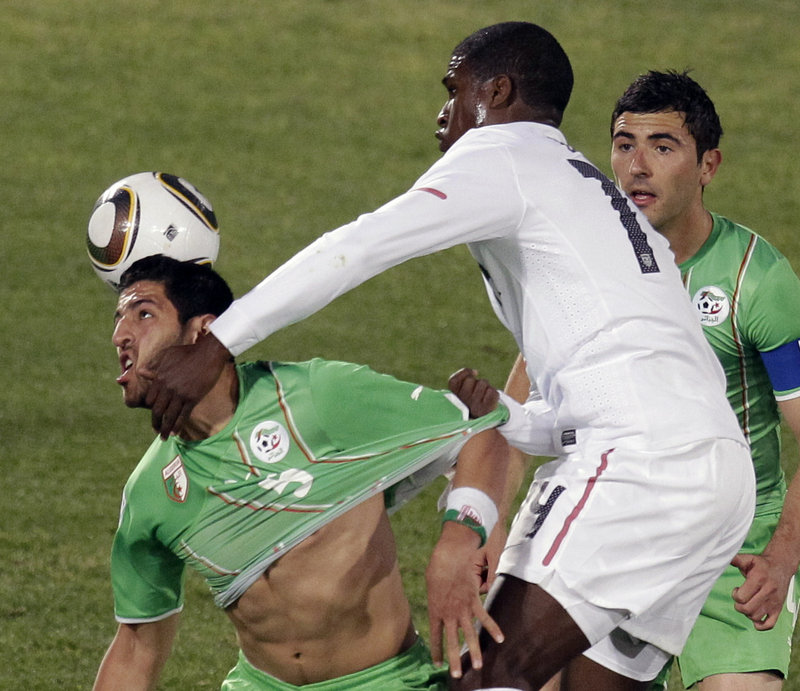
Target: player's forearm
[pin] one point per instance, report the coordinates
(784, 546)
(314, 277)
(483, 465)
(332, 265)
(515, 474)
(412, 225)
(530, 427)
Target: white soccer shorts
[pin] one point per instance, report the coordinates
(634, 540)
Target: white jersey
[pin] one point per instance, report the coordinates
(589, 290)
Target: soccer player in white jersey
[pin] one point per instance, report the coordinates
(653, 490)
(274, 491)
(665, 137)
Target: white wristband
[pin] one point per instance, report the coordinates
(475, 504)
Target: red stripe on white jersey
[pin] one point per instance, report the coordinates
(431, 190)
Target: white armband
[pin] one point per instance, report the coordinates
(473, 508)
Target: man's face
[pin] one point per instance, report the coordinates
(145, 323)
(466, 104)
(654, 159)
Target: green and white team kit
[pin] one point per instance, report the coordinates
(307, 442)
(748, 299)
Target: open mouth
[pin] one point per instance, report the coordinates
(641, 197)
(126, 362)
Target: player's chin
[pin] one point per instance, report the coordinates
(133, 398)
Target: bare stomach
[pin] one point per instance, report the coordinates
(332, 606)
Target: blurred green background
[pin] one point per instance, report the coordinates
(293, 117)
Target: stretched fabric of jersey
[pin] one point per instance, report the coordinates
(307, 442)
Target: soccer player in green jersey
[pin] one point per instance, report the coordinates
(665, 136)
(275, 490)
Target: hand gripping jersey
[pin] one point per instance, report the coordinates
(589, 290)
(307, 442)
(748, 299)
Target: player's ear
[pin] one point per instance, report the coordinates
(197, 326)
(709, 164)
(502, 90)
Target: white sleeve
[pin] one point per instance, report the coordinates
(462, 198)
(530, 426)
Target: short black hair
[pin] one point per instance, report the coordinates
(194, 289)
(527, 53)
(656, 92)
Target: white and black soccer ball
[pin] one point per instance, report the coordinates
(150, 213)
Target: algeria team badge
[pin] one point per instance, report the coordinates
(712, 305)
(176, 483)
(269, 441)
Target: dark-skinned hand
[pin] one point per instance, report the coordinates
(477, 394)
(179, 378)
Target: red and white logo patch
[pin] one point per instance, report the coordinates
(176, 482)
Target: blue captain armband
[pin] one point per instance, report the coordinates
(783, 367)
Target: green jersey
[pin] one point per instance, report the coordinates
(307, 442)
(748, 298)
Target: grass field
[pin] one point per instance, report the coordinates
(293, 117)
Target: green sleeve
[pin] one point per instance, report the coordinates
(773, 317)
(147, 579)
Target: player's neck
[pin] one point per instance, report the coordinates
(687, 235)
(216, 409)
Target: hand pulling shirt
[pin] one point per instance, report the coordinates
(307, 442)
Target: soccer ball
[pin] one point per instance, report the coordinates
(150, 213)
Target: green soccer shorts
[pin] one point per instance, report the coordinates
(412, 670)
(724, 640)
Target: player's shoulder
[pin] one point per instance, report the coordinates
(351, 379)
(305, 368)
(259, 375)
(311, 373)
(733, 232)
(319, 368)
(148, 473)
(513, 134)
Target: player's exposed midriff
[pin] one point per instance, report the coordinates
(332, 606)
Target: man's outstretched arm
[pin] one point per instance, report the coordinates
(414, 224)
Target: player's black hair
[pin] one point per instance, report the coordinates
(656, 92)
(194, 289)
(530, 55)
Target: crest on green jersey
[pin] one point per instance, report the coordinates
(712, 305)
(269, 441)
(175, 479)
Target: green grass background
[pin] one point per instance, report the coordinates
(292, 117)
